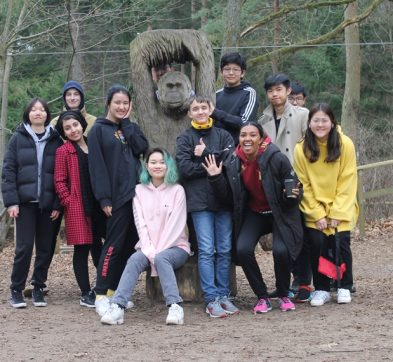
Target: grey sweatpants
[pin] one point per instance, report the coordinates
(165, 262)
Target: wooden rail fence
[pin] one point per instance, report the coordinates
(365, 195)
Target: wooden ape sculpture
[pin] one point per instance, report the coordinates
(161, 114)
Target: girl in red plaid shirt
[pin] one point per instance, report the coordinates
(73, 187)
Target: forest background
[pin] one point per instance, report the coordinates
(44, 43)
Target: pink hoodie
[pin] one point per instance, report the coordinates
(160, 217)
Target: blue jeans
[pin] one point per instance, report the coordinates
(214, 236)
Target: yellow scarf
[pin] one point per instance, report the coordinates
(208, 124)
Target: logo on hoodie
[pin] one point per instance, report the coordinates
(120, 136)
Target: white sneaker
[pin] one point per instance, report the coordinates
(320, 297)
(101, 304)
(114, 315)
(130, 304)
(343, 296)
(175, 315)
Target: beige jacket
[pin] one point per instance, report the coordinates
(90, 119)
(291, 130)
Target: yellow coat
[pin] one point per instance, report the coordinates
(329, 188)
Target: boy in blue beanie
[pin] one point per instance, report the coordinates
(74, 100)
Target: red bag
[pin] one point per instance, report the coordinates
(326, 267)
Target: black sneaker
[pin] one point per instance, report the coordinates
(88, 300)
(303, 295)
(17, 300)
(38, 298)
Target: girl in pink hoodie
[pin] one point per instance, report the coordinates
(160, 218)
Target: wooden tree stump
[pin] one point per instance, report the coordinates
(187, 281)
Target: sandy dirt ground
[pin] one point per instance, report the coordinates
(64, 331)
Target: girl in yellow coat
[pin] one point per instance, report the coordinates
(325, 162)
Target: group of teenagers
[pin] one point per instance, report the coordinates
(132, 206)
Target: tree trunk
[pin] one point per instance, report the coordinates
(350, 107)
(5, 70)
(203, 17)
(76, 67)
(232, 27)
(276, 36)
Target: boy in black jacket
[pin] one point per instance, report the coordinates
(237, 102)
(211, 218)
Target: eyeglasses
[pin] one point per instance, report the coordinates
(320, 120)
(231, 70)
(296, 98)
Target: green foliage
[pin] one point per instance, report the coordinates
(320, 69)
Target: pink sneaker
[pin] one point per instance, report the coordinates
(286, 304)
(263, 306)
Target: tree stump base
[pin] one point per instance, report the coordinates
(188, 282)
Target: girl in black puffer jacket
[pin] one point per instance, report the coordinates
(29, 195)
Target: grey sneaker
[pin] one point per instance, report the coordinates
(38, 298)
(17, 300)
(215, 310)
(228, 306)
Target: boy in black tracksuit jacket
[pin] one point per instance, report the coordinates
(237, 102)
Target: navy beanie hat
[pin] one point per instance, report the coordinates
(72, 114)
(73, 84)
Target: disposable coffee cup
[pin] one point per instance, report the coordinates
(289, 185)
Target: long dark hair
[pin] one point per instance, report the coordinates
(310, 145)
(29, 107)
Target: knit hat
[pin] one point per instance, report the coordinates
(69, 114)
(73, 84)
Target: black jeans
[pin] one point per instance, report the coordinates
(321, 244)
(254, 226)
(81, 268)
(302, 271)
(33, 227)
(121, 237)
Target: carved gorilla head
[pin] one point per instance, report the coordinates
(174, 89)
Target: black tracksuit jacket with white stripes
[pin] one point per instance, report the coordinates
(235, 106)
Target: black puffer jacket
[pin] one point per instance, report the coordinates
(199, 195)
(275, 168)
(20, 171)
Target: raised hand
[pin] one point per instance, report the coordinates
(129, 111)
(211, 167)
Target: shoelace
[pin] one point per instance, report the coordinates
(262, 301)
(285, 300)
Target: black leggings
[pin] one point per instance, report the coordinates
(81, 269)
(319, 244)
(254, 226)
